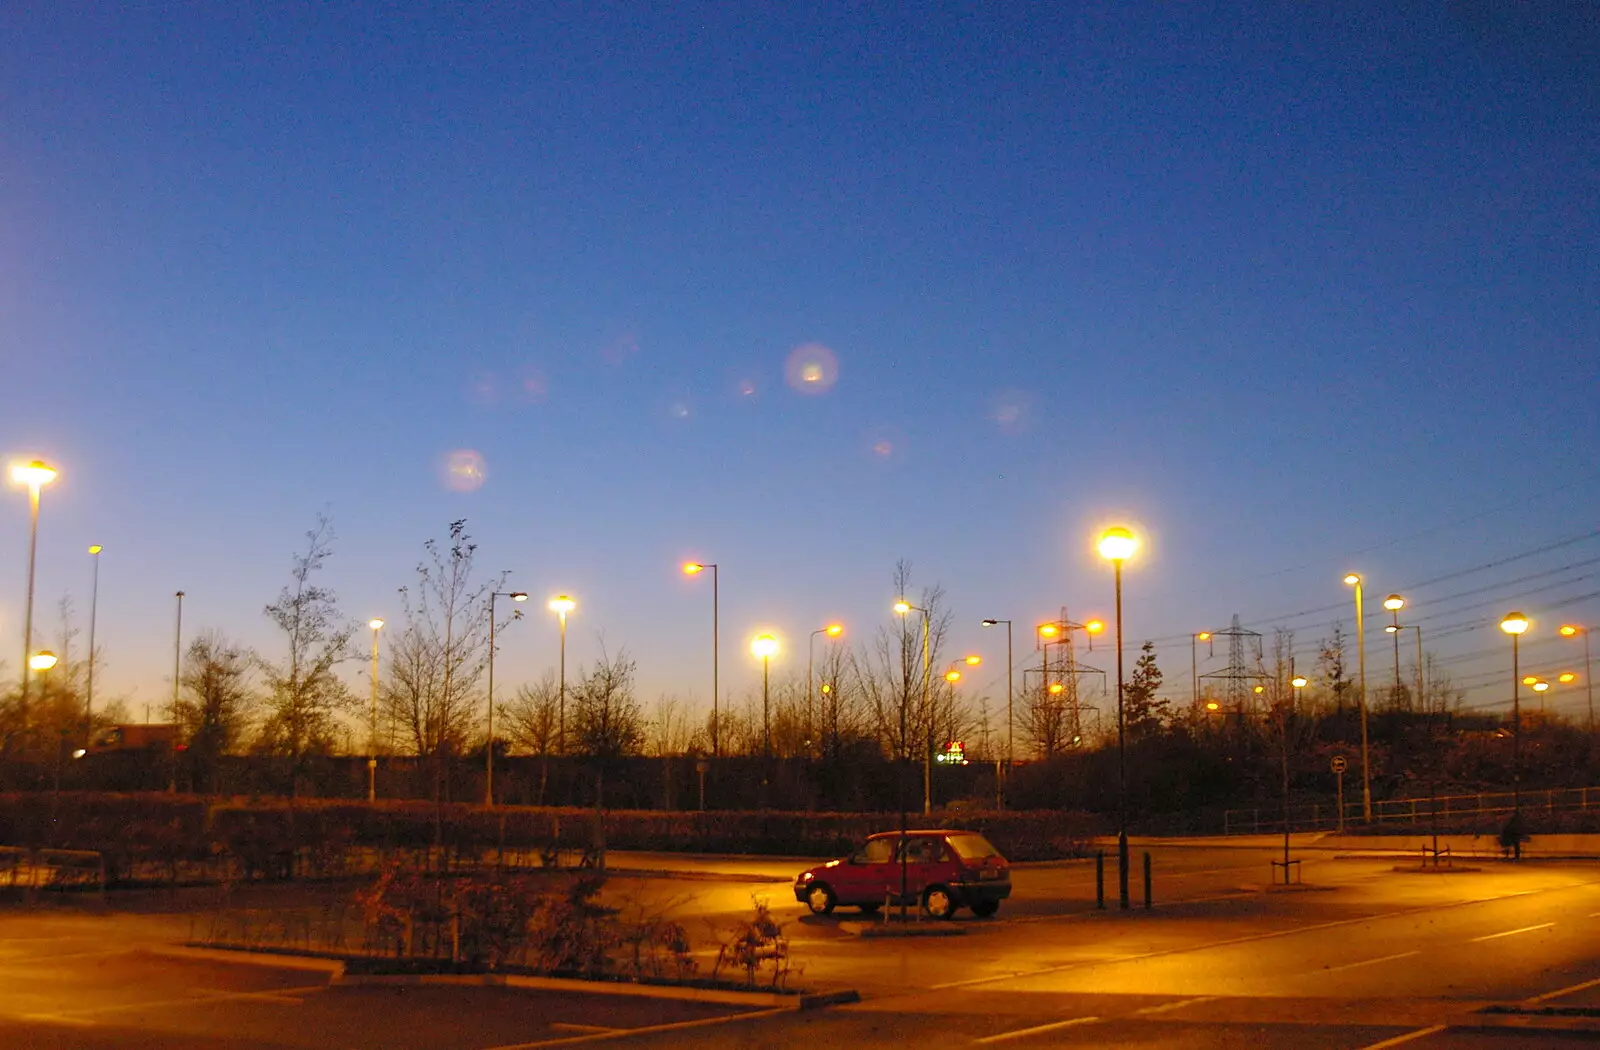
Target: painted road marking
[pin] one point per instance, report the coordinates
(1420, 1033)
(1035, 1030)
(566, 1027)
(1564, 991)
(1369, 962)
(202, 995)
(1512, 933)
(1180, 1004)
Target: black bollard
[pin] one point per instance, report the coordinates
(1100, 879)
(1147, 881)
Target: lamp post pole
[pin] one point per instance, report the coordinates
(1569, 630)
(1004, 781)
(372, 717)
(94, 607)
(1354, 580)
(177, 657)
(690, 569)
(1515, 624)
(902, 607)
(488, 748)
(1116, 545)
(561, 605)
(35, 476)
(832, 630)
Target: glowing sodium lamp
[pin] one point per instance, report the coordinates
(42, 660)
(562, 604)
(1394, 603)
(764, 646)
(1565, 677)
(952, 676)
(376, 623)
(902, 606)
(1568, 630)
(1390, 628)
(32, 474)
(692, 567)
(1057, 687)
(1095, 626)
(1204, 636)
(95, 548)
(1351, 579)
(973, 661)
(834, 630)
(1049, 630)
(518, 596)
(1212, 705)
(1540, 687)
(1117, 544)
(1529, 679)
(1514, 623)
(1261, 688)
(1299, 681)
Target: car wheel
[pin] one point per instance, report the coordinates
(938, 903)
(820, 899)
(985, 909)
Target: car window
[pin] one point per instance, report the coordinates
(922, 850)
(972, 847)
(876, 851)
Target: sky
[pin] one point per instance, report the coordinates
(804, 290)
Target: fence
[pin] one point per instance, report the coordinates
(1409, 811)
(31, 870)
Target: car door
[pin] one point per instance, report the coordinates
(864, 877)
(922, 853)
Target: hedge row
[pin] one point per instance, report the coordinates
(254, 838)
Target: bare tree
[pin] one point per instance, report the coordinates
(215, 704)
(607, 722)
(533, 715)
(442, 651)
(303, 693)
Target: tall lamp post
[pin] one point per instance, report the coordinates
(765, 647)
(903, 607)
(832, 630)
(1516, 625)
(34, 476)
(177, 660)
(1194, 661)
(1394, 603)
(488, 749)
(94, 607)
(1354, 580)
(1571, 630)
(1395, 629)
(372, 717)
(561, 605)
(1117, 545)
(1000, 794)
(693, 568)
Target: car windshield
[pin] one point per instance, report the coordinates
(876, 851)
(972, 847)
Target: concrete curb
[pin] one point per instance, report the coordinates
(888, 929)
(724, 996)
(250, 957)
(337, 972)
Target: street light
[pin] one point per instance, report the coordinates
(694, 568)
(1572, 630)
(561, 605)
(33, 476)
(1516, 625)
(1117, 545)
(1354, 580)
(832, 630)
(765, 647)
(1566, 678)
(903, 607)
(42, 660)
(94, 608)
(1194, 660)
(1000, 797)
(1394, 603)
(372, 717)
(1299, 682)
(488, 749)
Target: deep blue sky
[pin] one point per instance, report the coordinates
(1295, 291)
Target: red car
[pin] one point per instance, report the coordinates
(945, 870)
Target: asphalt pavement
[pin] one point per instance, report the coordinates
(1359, 955)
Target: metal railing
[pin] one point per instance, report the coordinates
(1318, 816)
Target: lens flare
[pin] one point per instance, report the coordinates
(811, 369)
(747, 388)
(1010, 410)
(464, 470)
(534, 387)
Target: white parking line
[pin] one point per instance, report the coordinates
(1369, 962)
(1420, 1033)
(1512, 933)
(563, 1026)
(1558, 993)
(673, 1026)
(1035, 1030)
